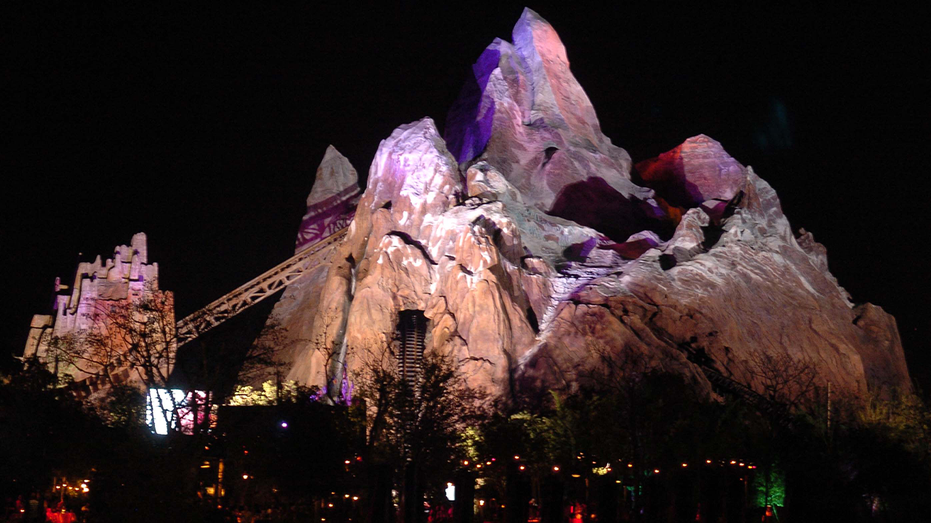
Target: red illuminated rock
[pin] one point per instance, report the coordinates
(697, 170)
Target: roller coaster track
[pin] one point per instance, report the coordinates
(256, 290)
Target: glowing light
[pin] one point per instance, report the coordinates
(741, 464)
(733, 462)
(656, 471)
(329, 505)
(708, 461)
(617, 481)
(516, 457)
(487, 463)
(245, 476)
(685, 465)
(346, 496)
(481, 502)
(556, 468)
(284, 424)
(478, 466)
(522, 467)
(465, 462)
(346, 462)
(355, 498)
(630, 465)
(450, 492)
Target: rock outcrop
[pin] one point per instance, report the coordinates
(536, 259)
(331, 206)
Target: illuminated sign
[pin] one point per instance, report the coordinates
(176, 409)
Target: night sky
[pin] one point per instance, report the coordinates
(203, 126)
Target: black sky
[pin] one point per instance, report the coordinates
(202, 126)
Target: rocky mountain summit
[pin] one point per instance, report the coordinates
(537, 257)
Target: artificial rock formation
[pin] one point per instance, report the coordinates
(331, 206)
(536, 259)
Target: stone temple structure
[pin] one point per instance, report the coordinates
(99, 286)
(518, 243)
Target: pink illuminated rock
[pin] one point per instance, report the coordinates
(697, 170)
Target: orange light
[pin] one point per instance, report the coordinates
(488, 463)
(656, 471)
(576, 476)
(741, 464)
(522, 467)
(465, 462)
(346, 462)
(346, 496)
(733, 462)
(630, 465)
(556, 468)
(685, 464)
(481, 502)
(245, 476)
(708, 461)
(330, 505)
(478, 466)
(516, 457)
(355, 498)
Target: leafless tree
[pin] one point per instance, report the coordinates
(782, 378)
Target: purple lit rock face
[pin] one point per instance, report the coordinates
(332, 201)
(533, 255)
(526, 114)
